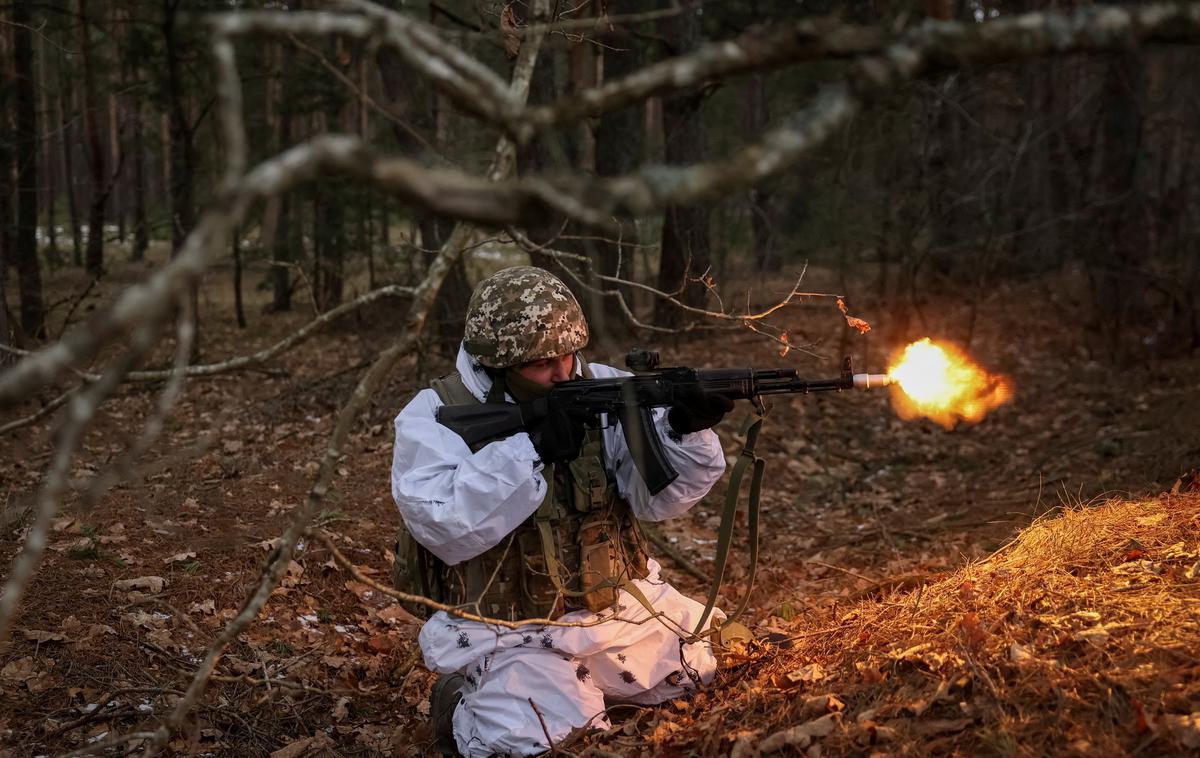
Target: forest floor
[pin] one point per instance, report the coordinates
(916, 623)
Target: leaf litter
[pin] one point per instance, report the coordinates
(1047, 653)
(916, 653)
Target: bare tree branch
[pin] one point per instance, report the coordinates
(82, 408)
(285, 344)
(45, 410)
(122, 467)
(418, 314)
(596, 201)
(760, 50)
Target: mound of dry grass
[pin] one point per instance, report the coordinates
(1080, 637)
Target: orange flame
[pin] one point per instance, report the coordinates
(939, 382)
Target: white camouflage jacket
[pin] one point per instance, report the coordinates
(459, 504)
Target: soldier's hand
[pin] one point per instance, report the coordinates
(557, 434)
(694, 410)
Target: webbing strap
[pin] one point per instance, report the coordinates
(725, 534)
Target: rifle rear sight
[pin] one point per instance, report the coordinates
(637, 360)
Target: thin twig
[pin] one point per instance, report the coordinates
(545, 731)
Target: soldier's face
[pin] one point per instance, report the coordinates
(548, 371)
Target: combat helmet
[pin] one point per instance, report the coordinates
(523, 314)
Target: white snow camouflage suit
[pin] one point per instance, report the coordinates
(458, 504)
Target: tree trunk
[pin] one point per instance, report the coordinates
(6, 358)
(758, 202)
(685, 239)
(330, 242)
(181, 149)
(284, 241)
(25, 251)
(115, 197)
(94, 256)
(1118, 281)
(6, 200)
(180, 163)
(416, 105)
(141, 237)
(238, 308)
(46, 156)
(618, 151)
(65, 132)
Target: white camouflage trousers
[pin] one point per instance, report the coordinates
(566, 674)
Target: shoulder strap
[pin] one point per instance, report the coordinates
(452, 391)
(584, 368)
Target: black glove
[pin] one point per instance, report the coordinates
(694, 409)
(557, 434)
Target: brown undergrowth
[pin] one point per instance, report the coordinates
(1079, 637)
(856, 503)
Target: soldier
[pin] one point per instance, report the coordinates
(543, 524)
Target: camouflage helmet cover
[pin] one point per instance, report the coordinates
(523, 314)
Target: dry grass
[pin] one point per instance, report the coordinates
(1080, 637)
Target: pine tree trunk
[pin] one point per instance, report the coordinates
(182, 159)
(25, 250)
(46, 156)
(7, 235)
(238, 308)
(619, 148)
(94, 256)
(65, 132)
(284, 240)
(759, 201)
(685, 249)
(330, 219)
(141, 237)
(417, 105)
(116, 198)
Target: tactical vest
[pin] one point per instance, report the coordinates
(579, 547)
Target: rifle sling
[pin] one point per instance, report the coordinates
(725, 534)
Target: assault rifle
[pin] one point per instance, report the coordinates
(630, 399)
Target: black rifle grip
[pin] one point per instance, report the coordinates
(644, 445)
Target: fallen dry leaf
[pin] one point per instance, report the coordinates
(179, 557)
(36, 635)
(1183, 727)
(1096, 635)
(394, 614)
(152, 584)
(19, 670)
(811, 672)
(307, 745)
(800, 736)
(819, 705)
(341, 709)
(1020, 655)
(943, 726)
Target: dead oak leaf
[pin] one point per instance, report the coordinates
(36, 635)
(19, 670)
(305, 746)
(800, 736)
(153, 584)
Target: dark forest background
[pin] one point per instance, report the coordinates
(1073, 176)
